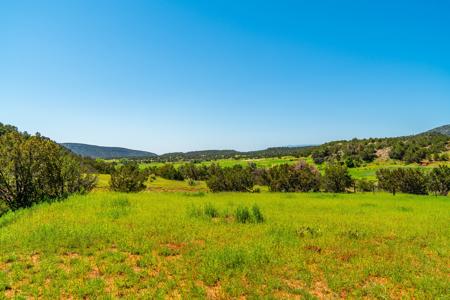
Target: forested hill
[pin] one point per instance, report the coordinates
(106, 152)
(442, 130)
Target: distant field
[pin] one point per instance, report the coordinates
(261, 162)
(152, 245)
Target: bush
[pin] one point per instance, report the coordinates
(168, 171)
(34, 168)
(299, 178)
(191, 171)
(439, 181)
(234, 179)
(412, 181)
(336, 178)
(128, 178)
(405, 180)
(387, 180)
(365, 185)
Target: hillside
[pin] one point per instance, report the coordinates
(445, 129)
(105, 152)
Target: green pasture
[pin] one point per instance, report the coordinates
(154, 245)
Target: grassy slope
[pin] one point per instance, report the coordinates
(147, 245)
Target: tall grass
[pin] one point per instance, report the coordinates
(309, 245)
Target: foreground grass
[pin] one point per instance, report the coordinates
(156, 245)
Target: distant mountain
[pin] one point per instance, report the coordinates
(442, 130)
(106, 152)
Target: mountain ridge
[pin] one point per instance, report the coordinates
(444, 129)
(105, 152)
(95, 151)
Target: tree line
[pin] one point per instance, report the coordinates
(300, 177)
(410, 149)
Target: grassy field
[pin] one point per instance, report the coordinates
(164, 245)
(260, 162)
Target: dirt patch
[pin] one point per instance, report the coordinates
(320, 287)
(383, 154)
(35, 259)
(175, 246)
(313, 248)
(213, 292)
(346, 257)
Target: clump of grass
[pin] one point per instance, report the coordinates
(256, 190)
(210, 211)
(117, 207)
(244, 215)
(354, 234)
(195, 194)
(306, 231)
(257, 214)
(405, 209)
(194, 211)
(120, 202)
(191, 182)
(166, 251)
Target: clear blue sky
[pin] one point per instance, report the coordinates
(188, 75)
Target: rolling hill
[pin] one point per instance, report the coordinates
(105, 152)
(445, 129)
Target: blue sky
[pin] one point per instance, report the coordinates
(189, 75)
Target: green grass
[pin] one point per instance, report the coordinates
(261, 162)
(164, 245)
(158, 184)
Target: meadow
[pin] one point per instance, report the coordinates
(191, 245)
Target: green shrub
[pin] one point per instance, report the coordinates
(234, 179)
(128, 178)
(168, 171)
(34, 169)
(301, 177)
(336, 178)
(439, 181)
(365, 185)
(405, 180)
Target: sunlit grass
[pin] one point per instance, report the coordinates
(149, 245)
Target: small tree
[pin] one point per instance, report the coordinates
(412, 181)
(387, 180)
(439, 180)
(405, 180)
(128, 178)
(336, 178)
